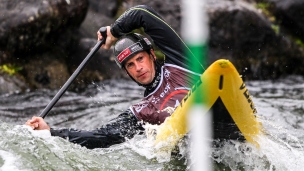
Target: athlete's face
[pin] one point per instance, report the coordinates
(141, 67)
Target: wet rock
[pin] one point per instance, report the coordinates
(101, 66)
(46, 71)
(291, 15)
(100, 13)
(168, 9)
(241, 33)
(28, 25)
(47, 36)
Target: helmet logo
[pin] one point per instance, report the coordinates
(147, 41)
(128, 51)
(123, 55)
(136, 47)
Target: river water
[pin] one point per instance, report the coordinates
(280, 106)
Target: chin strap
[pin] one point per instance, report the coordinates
(151, 86)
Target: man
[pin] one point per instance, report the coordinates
(166, 84)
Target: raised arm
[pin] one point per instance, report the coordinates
(164, 37)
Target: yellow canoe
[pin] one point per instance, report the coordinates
(229, 101)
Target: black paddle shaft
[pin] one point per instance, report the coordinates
(103, 31)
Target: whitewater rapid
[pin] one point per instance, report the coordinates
(280, 106)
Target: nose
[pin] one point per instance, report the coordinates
(138, 67)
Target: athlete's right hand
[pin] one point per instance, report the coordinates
(37, 123)
(110, 40)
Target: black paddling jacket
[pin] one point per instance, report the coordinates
(158, 102)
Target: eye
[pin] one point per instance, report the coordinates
(140, 59)
(130, 65)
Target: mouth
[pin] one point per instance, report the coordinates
(142, 75)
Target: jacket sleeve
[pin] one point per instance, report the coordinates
(124, 126)
(163, 36)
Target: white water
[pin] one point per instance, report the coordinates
(279, 105)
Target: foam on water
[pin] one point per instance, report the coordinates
(8, 161)
(272, 154)
(279, 150)
(145, 145)
(281, 155)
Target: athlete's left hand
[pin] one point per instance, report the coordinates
(37, 123)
